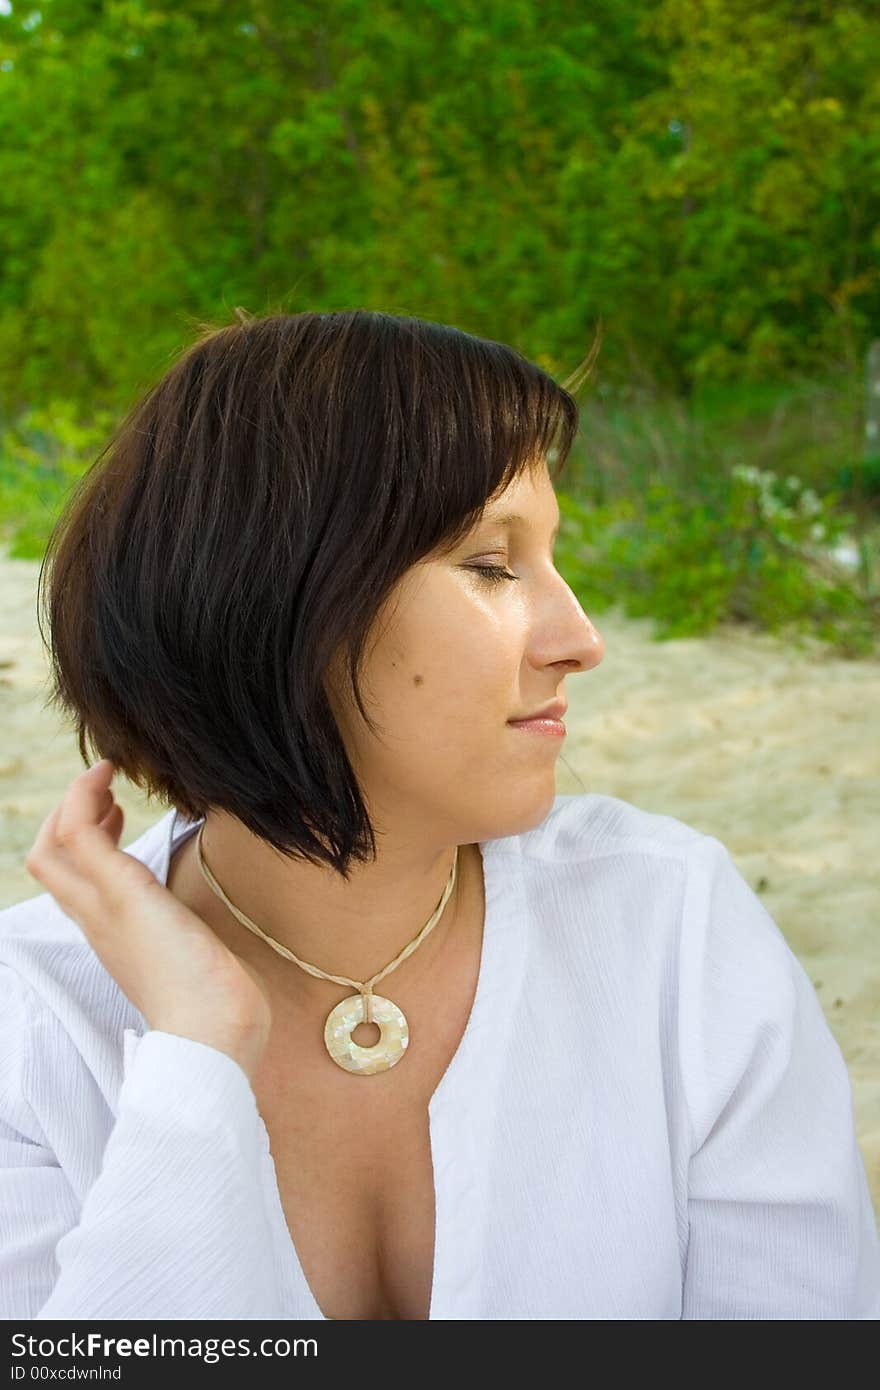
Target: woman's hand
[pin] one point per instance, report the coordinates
(165, 959)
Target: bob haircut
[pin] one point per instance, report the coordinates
(246, 521)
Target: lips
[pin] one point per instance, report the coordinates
(552, 711)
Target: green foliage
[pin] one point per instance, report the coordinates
(702, 177)
(859, 479)
(797, 426)
(743, 544)
(43, 454)
(748, 547)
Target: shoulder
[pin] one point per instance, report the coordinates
(613, 842)
(642, 887)
(600, 879)
(646, 898)
(593, 828)
(45, 958)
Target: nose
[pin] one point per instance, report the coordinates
(562, 635)
(597, 644)
(591, 646)
(584, 642)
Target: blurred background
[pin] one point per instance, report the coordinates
(694, 186)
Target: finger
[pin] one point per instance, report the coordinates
(47, 863)
(49, 839)
(44, 840)
(61, 860)
(113, 822)
(86, 801)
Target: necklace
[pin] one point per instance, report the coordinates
(365, 1007)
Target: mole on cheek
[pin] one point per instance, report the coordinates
(418, 680)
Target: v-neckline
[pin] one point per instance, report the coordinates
(458, 1192)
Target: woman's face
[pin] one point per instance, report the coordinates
(457, 654)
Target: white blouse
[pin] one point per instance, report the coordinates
(647, 1116)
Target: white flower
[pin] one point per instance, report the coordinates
(745, 473)
(810, 504)
(846, 554)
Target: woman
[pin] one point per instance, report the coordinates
(371, 1024)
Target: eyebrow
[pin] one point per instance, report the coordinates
(514, 519)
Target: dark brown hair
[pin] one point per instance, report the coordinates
(245, 522)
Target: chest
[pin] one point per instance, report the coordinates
(354, 1164)
(352, 1154)
(358, 1201)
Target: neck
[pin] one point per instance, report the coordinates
(351, 929)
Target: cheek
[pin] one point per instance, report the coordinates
(464, 630)
(449, 659)
(459, 678)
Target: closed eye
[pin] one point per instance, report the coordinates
(494, 574)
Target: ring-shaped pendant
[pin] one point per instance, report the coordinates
(393, 1035)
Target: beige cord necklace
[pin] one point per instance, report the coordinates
(365, 1007)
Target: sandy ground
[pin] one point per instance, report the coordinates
(773, 750)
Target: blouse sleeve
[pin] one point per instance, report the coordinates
(173, 1227)
(781, 1222)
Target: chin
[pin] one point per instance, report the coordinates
(525, 813)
